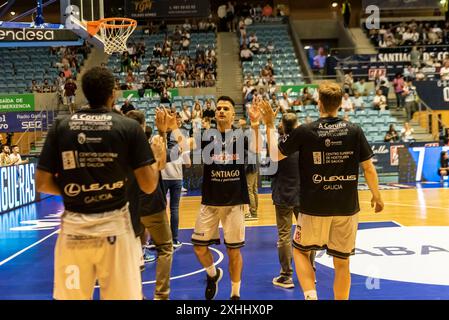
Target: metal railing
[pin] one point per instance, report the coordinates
(429, 112)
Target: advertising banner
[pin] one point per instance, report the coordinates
(24, 121)
(175, 9)
(16, 102)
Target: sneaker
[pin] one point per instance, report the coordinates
(235, 298)
(150, 246)
(177, 244)
(284, 282)
(148, 257)
(183, 189)
(250, 217)
(212, 284)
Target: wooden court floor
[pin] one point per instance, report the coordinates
(408, 207)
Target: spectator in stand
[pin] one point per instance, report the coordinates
(348, 83)
(246, 54)
(358, 102)
(398, 84)
(185, 43)
(230, 14)
(252, 37)
(409, 73)
(70, 91)
(197, 115)
(285, 103)
(35, 88)
(391, 135)
(380, 101)
(242, 29)
(46, 87)
(415, 57)
(186, 115)
(209, 112)
(125, 62)
(307, 97)
(360, 87)
(407, 133)
(67, 72)
(5, 159)
(443, 169)
(444, 71)
(267, 10)
(15, 157)
(346, 103)
(126, 107)
(319, 60)
(135, 64)
(409, 99)
(157, 50)
(254, 46)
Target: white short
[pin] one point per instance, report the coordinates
(81, 260)
(207, 226)
(336, 234)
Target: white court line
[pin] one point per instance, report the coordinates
(27, 248)
(409, 205)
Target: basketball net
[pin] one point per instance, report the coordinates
(113, 32)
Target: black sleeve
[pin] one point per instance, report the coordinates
(366, 152)
(140, 153)
(49, 157)
(292, 142)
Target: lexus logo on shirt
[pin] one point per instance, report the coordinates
(317, 179)
(72, 189)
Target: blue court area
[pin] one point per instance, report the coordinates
(28, 236)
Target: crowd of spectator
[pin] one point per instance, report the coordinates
(235, 16)
(68, 67)
(410, 33)
(180, 70)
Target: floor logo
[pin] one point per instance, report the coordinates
(407, 254)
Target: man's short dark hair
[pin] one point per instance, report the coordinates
(136, 115)
(289, 122)
(98, 86)
(226, 98)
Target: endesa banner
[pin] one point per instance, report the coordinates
(24, 121)
(17, 186)
(141, 9)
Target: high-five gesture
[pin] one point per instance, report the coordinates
(268, 115)
(165, 121)
(254, 112)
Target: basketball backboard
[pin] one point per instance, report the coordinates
(76, 13)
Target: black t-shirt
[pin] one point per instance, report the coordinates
(330, 151)
(91, 152)
(285, 183)
(142, 204)
(224, 179)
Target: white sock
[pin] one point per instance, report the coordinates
(310, 295)
(235, 288)
(211, 271)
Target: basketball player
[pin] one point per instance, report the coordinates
(224, 195)
(285, 195)
(330, 152)
(152, 211)
(86, 159)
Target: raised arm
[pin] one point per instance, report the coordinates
(269, 116)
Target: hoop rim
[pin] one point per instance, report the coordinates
(94, 26)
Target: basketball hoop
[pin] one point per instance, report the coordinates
(113, 32)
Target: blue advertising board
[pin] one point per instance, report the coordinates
(23, 121)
